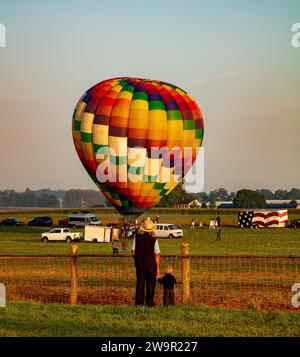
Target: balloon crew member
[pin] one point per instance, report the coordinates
(168, 281)
(146, 253)
(193, 224)
(115, 246)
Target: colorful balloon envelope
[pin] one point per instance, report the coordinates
(137, 138)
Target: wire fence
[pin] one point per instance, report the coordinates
(262, 282)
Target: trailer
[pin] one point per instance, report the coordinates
(97, 234)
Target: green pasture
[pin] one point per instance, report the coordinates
(273, 241)
(37, 319)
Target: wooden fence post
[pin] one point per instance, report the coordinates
(74, 274)
(186, 273)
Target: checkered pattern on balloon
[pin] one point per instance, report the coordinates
(120, 127)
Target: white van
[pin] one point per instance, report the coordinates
(81, 219)
(165, 230)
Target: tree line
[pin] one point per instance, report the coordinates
(51, 198)
(76, 198)
(221, 194)
(241, 198)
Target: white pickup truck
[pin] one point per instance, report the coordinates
(60, 234)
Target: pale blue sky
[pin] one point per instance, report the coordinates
(234, 57)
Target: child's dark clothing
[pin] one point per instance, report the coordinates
(168, 281)
(218, 233)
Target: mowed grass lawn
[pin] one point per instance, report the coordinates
(36, 319)
(274, 241)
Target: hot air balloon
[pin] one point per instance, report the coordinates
(136, 138)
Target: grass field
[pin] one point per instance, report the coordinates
(201, 240)
(36, 319)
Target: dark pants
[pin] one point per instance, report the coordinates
(115, 251)
(169, 298)
(145, 276)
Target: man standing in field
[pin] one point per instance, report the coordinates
(146, 253)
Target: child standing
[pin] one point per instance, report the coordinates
(168, 281)
(218, 233)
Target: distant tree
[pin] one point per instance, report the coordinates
(231, 196)
(281, 195)
(27, 199)
(2, 199)
(83, 198)
(176, 197)
(218, 195)
(13, 199)
(47, 200)
(212, 204)
(203, 197)
(48, 191)
(294, 194)
(204, 205)
(249, 199)
(268, 194)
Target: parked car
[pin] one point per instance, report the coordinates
(79, 219)
(12, 222)
(165, 230)
(41, 222)
(61, 234)
(295, 223)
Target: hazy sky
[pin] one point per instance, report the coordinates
(234, 57)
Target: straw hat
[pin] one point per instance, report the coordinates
(148, 226)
